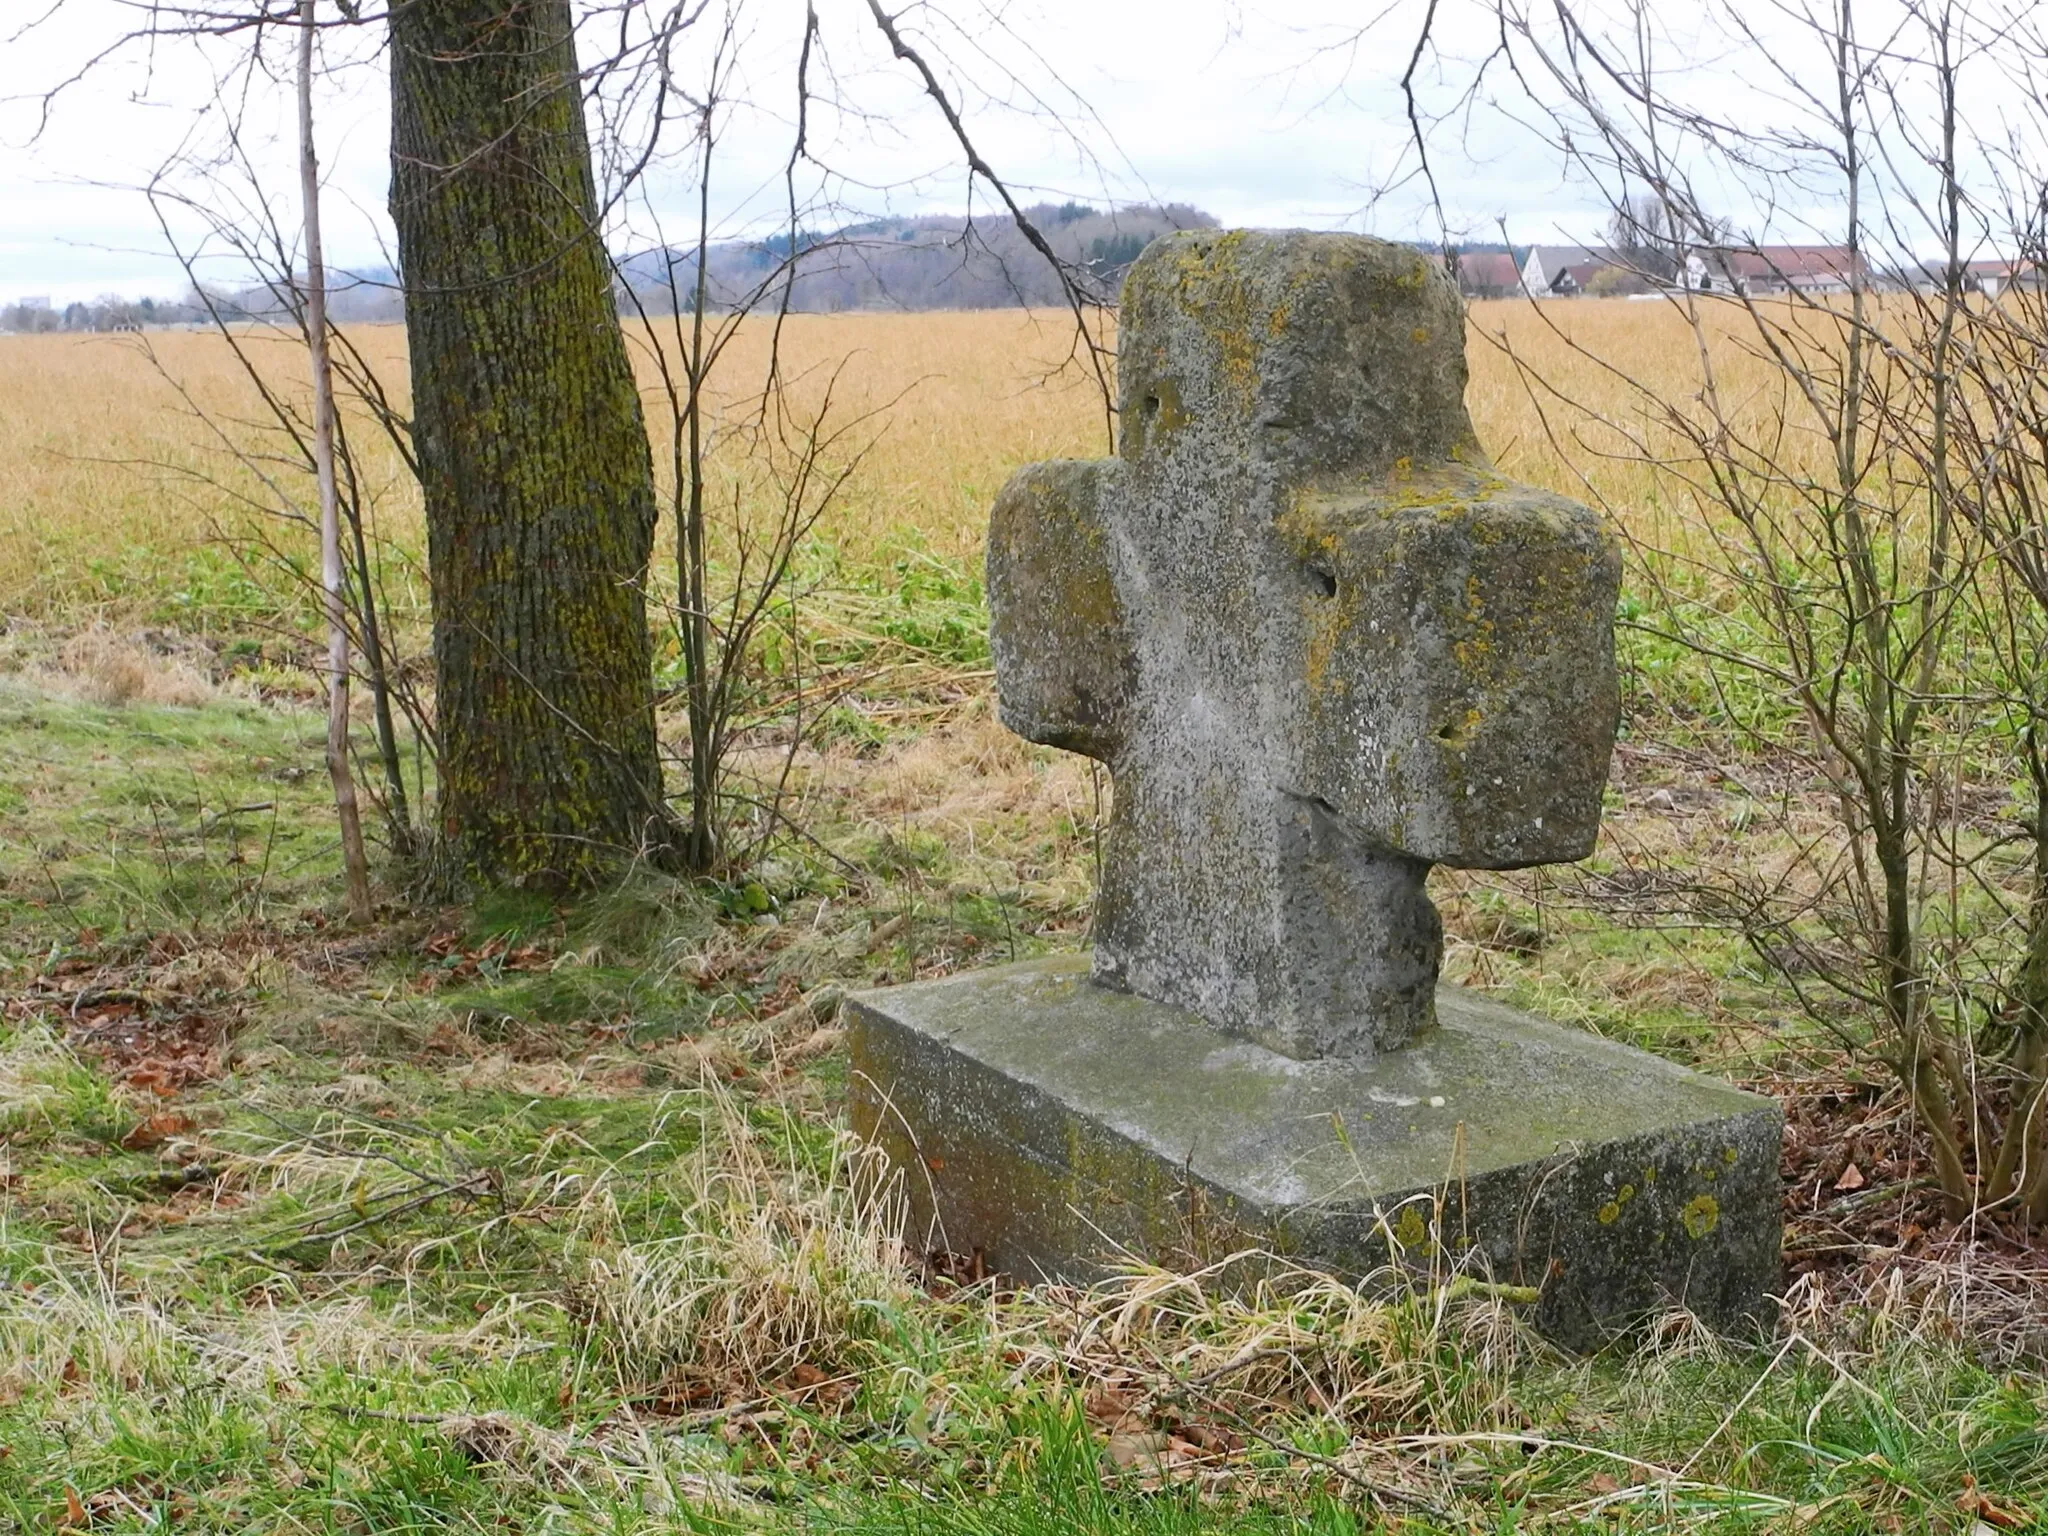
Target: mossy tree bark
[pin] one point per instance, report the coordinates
(534, 458)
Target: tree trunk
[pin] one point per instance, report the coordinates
(533, 455)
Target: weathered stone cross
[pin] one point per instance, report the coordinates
(1320, 644)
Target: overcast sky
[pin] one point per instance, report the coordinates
(1263, 112)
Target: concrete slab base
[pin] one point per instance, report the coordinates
(1055, 1125)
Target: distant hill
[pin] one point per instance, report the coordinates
(933, 261)
(936, 261)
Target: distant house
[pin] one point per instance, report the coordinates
(1759, 270)
(1923, 277)
(1564, 271)
(1998, 275)
(1488, 275)
(1991, 277)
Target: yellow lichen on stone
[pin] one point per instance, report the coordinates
(1474, 652)
(1324, 630)
(1701, 1215)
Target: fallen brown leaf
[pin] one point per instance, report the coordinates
(1213, 1440)
(1987, 1511)
(1148, 1446)
(156, 1130)
(1105, 1405)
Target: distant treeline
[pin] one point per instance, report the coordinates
(356, 297)
(933, 261)
(927, 262)
(109, 312)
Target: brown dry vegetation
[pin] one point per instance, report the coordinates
(108, 480)
(102, 459)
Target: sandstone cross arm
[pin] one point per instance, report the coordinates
(1320, 644)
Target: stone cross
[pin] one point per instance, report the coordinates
(1319, 642)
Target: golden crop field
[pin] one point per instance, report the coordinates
(114, 461)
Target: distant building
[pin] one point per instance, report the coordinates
(1760, 270)
(1564, 271)
(1488, 275)
(1990, 276)
(1998, 275)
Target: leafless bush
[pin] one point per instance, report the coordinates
(1859, 569)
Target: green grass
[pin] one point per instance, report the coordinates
(522, 1217)
(131, 819)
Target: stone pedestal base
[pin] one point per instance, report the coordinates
(1054, 1125)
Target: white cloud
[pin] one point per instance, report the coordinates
(1246, 111)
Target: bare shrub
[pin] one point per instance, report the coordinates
(1849, 455)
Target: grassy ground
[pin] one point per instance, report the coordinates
(514, 1217)
(533, 1219)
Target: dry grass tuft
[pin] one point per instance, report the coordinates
(778, 1263)
(1979, 1295)
(1296, 1339)
(73, 1324)
(624, 1460)
(1011, 814)
(98, 666)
